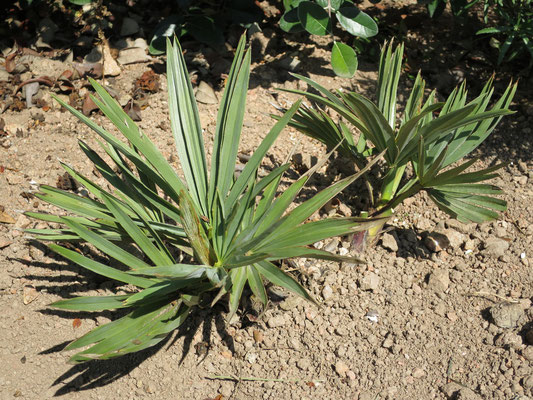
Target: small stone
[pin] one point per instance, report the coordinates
(528, 353)
(436, 242)
(527, 383)
(226, 354)
(258, 336)
(341, 368)
(388, 342)
(450, 389)
(327, 292)
(452, 316)
(29, 294)
(350, 375)
(372, 315)
(205, 94)
(506, 315)
(439, 280)
(303, 162)
(495, 247)
(369, 281)
(23, 222)
(456, 239)
(276, 321)
(521, 180)
(418, 373)
(290, 64)
(304, 364)
(509, 340)
(467, 394)
(529, 336)
(251, 357)
(290, 303)
(129, 27)
(367, 396)
(389, 242)
(133, 55)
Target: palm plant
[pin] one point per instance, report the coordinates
(430, 143)
(233, 230)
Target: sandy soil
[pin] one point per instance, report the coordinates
(411, 323)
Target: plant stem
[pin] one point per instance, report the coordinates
(390, 185)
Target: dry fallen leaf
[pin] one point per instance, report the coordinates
(5, 218)
(88, 105)
(148, 82)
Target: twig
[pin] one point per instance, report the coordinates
(487, 295)
(254, 379)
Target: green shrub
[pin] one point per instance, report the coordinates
(318, 18)
(200, 239)
(431, 143)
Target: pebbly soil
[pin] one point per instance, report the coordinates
(413, 322)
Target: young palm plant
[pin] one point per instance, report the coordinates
(429, 142)
(234, 230)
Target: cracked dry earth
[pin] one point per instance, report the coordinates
(439, 309)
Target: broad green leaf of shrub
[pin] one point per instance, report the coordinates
(165, 29)
(335, 4)
(357, 22)
(204, 30)
(290, 22)
(343, 60)
(314, 18)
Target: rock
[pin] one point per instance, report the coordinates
(327, 292)
(129, 27)
(529, 336)
(509, 340)
(46, 32)
(495, 247)
(29, 294)
(94, 56)
(439, 280)
(418, 373)
(290, 64)
(304, 364)
(467, 394)
(506, 315)
(140, 43)
(455, 239)
(251, 357)
(450, 389)
(389, 242)
(205, 94)
(528, 353)
(369, 281)
(133, 55)
(276, 321)
(459, 226)
(302, 161)
(527, 383)
(290, 303)
(23, 222)
(436, 242)
(258, 336)
(341, 368)
(4, 75)
(367, 396)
